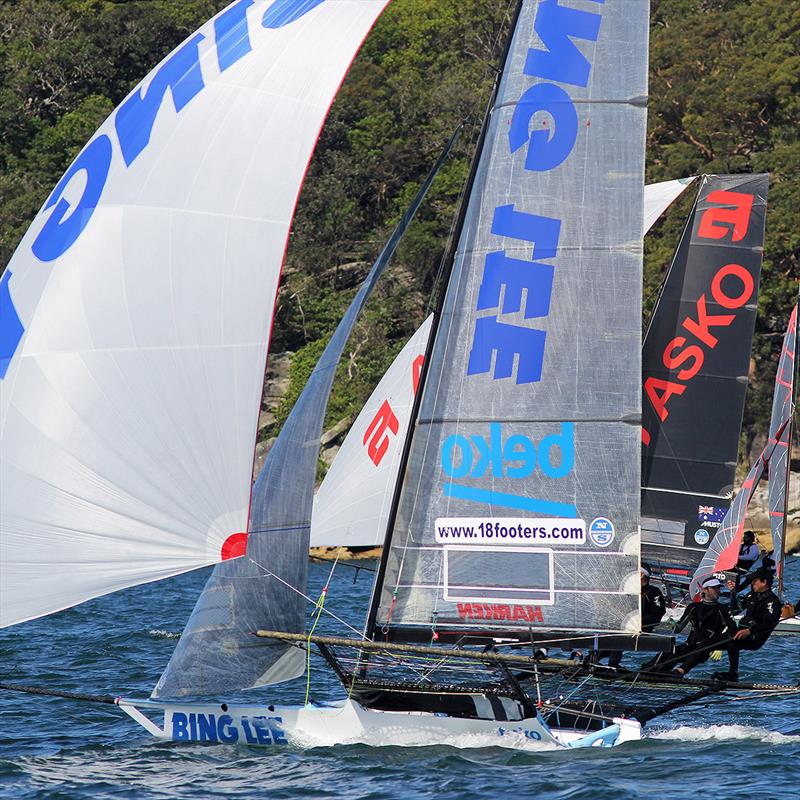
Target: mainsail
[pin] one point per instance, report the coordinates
(137, 307)
(529, 417)
(780, 432)
(352, 505)
(266, 589)
(696, 358)
(351, 508)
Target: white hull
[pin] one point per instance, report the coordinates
(347, 722)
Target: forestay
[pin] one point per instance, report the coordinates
(696, 358)
(218, 651)
(531, 407)
(780, 432)
(137, 307)
(351, 508)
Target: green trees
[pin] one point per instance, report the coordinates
(725, 97)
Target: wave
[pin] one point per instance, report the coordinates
(396, 737)
(157, 633)
(689, 733)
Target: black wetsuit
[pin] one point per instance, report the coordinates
(711, 624)
(762, 612)
(653, 609)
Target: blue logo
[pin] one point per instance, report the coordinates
(701, 536)
(515, 457)
(500, 343)
(601, 531)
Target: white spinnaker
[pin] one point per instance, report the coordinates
(658, 197)
(352, 505)
(129, 404)
(351, 508)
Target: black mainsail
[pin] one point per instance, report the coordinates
(519, 502)
(696, 359)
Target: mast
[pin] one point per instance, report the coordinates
(369, 628)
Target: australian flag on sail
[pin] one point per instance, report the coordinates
(711, 514)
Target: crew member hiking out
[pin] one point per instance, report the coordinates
(762, 612)
(711, 625)
(654, 606)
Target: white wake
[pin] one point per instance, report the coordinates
(690, 733)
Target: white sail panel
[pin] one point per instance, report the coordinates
(351, 508)
(658, 197)
(137, 307)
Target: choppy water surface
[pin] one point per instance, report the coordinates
(53, 748)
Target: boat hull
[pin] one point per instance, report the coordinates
(348, 722)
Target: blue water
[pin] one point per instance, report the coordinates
(54, 748)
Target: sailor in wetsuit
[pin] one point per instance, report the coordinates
(762, 612)
(748, 552)
(711, 625)
(653, 609)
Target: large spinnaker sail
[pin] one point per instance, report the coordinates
(351, 508)
(782, 417)
(266, 589)
(531, 405)
(696, 358)
(137, 307)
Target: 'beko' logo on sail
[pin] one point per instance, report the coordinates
(477, 457)
(547, 147)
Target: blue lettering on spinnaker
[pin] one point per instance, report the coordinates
(181, 74)
(65, 224)
(547, 145)
(282, 12)
(11, 328)
(231, 34)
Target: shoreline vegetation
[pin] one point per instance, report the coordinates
(425, 68)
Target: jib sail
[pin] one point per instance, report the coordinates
(266, 589)
(696, 357)
(519, 503)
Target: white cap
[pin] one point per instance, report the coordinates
(710, 582)
(645, 571)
